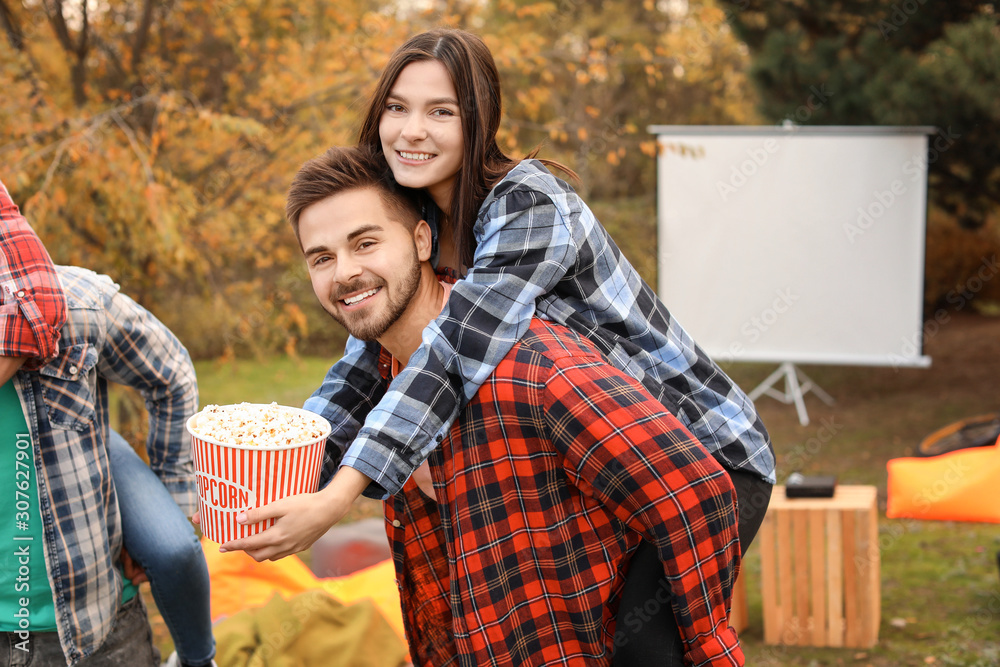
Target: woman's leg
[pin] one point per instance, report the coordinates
(647, 632)
(160, 538)
(752, 498)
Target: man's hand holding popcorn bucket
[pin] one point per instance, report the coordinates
(258, 468)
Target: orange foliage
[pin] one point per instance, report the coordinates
(170, 171)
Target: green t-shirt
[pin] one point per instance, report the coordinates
(25, 591)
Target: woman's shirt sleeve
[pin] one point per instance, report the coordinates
(525, 246)
(351, 388)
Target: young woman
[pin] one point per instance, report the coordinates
(526, 244)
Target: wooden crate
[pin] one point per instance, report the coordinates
(820, 569)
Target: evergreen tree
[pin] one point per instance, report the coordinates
(889, 62)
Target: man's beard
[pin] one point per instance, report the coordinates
(371, 326)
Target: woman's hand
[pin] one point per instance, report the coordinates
(298, 522)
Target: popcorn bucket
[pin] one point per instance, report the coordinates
(236, 477)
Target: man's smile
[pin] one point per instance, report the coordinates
(358, 298)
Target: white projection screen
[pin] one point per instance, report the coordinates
(800, 244)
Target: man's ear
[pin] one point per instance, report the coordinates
(422, 240)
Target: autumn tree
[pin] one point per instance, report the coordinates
(584, 78)
(155, 141)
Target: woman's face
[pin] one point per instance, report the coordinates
(421, 130)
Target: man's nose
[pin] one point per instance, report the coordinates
(347, 270)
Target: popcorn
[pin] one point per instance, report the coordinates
(258, 425)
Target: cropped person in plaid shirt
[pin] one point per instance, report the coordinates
(32, 305)
(81, 610)
(170, 557)
(511, 547)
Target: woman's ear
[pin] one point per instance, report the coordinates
(422, 240)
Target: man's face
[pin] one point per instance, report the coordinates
(364, 265)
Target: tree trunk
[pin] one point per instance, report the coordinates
(14, 34)
(77, 52)
(142, 35)
(79, 75)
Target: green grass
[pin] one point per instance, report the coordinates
(284, 380)
(939, 580)
(940, 601)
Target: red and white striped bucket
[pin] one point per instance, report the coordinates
(233, 478)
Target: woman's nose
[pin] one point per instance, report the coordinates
(414, 128)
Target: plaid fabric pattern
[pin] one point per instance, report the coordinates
(556, 470)
(32, 305)
(107, 337)
(540, 250)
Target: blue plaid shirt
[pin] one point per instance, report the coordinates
(539, 249)
(107, 337)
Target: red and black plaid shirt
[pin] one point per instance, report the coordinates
(550, 478)
(32, 304)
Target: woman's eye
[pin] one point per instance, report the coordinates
(393, 107)
(443, 112)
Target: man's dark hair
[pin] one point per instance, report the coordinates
(345, 168)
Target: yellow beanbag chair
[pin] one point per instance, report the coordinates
(310, 628)
(963, 485)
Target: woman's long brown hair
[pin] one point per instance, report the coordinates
(477, 83)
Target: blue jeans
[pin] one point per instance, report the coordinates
(160, 538)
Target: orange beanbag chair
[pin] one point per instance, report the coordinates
(957, 486)
(239, 582)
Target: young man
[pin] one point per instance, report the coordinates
(64, 599)
(511, 549)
